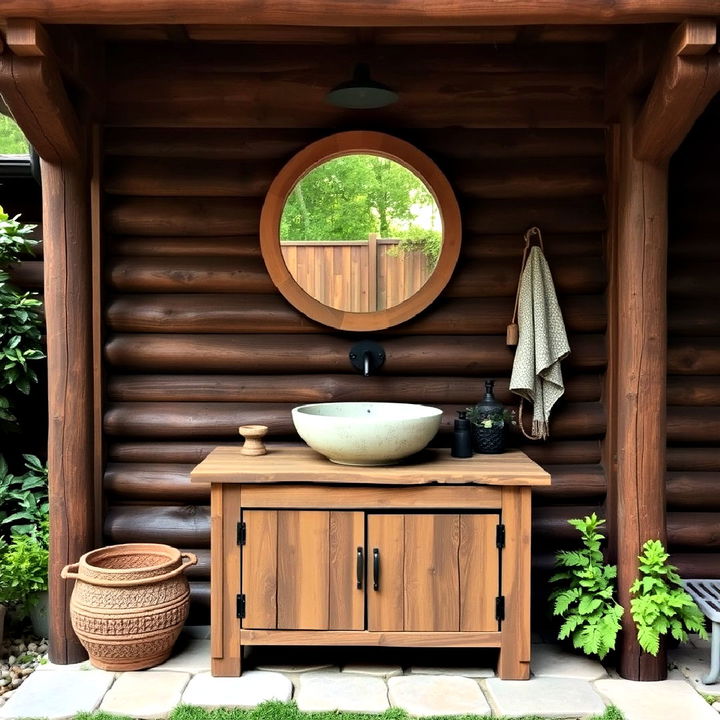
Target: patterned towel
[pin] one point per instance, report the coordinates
(536, 374)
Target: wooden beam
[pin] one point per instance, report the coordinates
(688, 79)
(35, 95)
(641, 369)
(362, 13)
(27, 38)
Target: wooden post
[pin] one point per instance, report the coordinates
(641, 377)
(372, 271)
(35, 94)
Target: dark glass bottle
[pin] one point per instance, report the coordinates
(462, 437)
(489, 427)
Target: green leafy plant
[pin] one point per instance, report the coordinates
(585, 594)
(497, 418)
(23, 498)
(20, 317)
(660, 603)
(24, 569)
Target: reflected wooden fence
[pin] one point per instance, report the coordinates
(356, 275)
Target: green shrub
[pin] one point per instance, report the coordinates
(661, 604)
(585, 594)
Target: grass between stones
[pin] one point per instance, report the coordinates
(289, 711)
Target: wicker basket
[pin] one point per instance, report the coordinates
(129, 603)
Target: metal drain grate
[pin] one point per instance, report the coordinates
(706, 594)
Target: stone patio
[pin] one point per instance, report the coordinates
(562, 686)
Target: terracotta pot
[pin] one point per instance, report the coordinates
(129, 603)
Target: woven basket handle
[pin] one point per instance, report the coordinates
(69, 572)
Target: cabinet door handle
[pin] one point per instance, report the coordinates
(376, 569)
(360, 567)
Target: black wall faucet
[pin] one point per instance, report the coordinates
(367, 356)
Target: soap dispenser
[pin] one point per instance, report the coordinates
(462, 439)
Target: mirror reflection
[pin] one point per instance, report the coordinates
(360, 233)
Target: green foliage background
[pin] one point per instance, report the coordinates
(12, 141)
(351, 196)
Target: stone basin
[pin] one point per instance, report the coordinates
(366, 433)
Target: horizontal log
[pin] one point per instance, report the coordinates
(509, 178)
(235, 313)
(176, 217)
(475, 247)
(697, 565)
(693, 458)
(187, 526)
(692, 318)
(693, 424)
(557, 177)
(185, 177)
(690, 245)
(326, 388)
(221, 420)
(553, 215)
(694, 356)
(202, 569)
(555, 452)
(550, 527)
(189, 274)
(693, 490)
(281, 354)
(272, 144)
(690, 280)
(700, 390)
(360, 14)
(28, 274)
(165, 482)
(572, 482)
(693, 530)
(473, 278)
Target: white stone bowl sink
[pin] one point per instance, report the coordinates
(366, 433)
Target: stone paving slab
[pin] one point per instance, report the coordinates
(84, 666)
(694, 664)
(547, 697)
(382, 671)
(671, 699)
(58, 695)
(551, 661)
(454, 671)
(145, 695)
(422, 695)
(343, 692)
(192, 656)
(295, 669)
(253, 688)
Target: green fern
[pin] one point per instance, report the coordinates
(585, 594)
(661, 604)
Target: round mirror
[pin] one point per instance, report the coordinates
(360, 231)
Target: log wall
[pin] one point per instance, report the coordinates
(198, 339)
(693, 427)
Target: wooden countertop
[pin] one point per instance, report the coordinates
(300, 464)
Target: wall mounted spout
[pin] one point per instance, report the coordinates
(367, 357)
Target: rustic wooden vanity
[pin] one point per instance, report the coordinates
(431, 553)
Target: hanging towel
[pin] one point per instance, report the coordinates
(536, 374)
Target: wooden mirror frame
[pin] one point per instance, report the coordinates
(368, 143)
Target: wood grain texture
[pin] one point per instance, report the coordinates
(321, 12)
(642, 368)
(386, 602)
(303, 570)
(479, 572)
(260, 569)
(346, 599)
(301, 464)
(370, 638)
(431, 584)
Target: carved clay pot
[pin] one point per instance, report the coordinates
(129, 603)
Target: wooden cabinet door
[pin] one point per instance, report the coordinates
(299, 570)
(436, 572)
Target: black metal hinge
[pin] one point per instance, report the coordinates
(499, 607)
(241, 606)
(241, 533)
(500, 536)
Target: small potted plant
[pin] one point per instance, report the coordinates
(489, 419)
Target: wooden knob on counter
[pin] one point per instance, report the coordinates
(253, 435)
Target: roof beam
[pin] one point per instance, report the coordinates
(368, 13)
(688, 78)
(34, 92)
